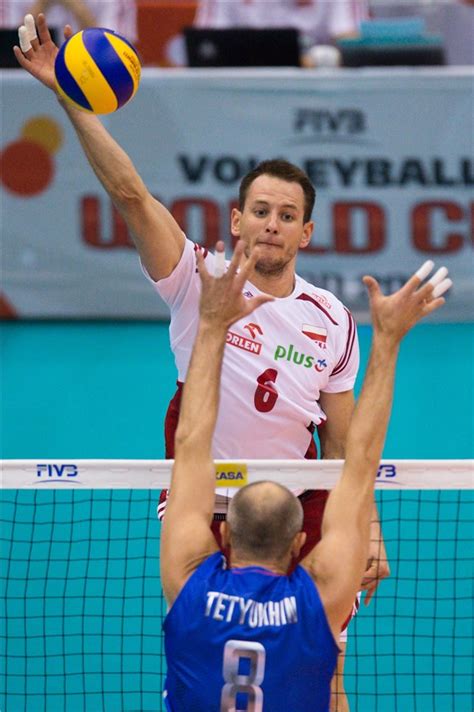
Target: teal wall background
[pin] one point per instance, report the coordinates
(100, 390)
(80, 582)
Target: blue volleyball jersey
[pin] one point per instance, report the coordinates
(248, 639)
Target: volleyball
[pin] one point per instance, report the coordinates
(97, 70)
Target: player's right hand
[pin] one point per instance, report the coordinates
(222, 302)
(393, 316)
(38, 53)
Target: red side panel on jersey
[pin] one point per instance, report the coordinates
(351, 334)
(171, 423)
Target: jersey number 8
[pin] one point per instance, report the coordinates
(234, 650)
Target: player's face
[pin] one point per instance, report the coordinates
(273, 219)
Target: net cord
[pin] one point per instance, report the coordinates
(301, 474)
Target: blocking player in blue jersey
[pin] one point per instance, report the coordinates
(250, 637)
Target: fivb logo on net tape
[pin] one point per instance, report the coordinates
(387, 473)
(65, 472)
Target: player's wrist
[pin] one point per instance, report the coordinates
(212, 327)
(386, 343)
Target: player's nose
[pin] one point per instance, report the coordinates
(272, 224)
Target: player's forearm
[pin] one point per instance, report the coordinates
(354, 493)
(376, 534)
(369, 424)
(110, 163)
(332, 449)
(84, 16)
(338, 408)
(200, 401)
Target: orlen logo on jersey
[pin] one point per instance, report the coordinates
(242, 342)
(56, 471)
(300, 359)
(253, 329)
(231, 474)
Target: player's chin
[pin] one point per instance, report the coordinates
(270, 267)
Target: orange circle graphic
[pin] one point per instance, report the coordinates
(44, 131)
(26, 168)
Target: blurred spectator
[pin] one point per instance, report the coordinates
(118, 15)
(318, 21)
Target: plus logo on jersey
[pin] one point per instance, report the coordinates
(299, 358)
(242, 342)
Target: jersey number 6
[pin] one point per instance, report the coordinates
(266, 394)
(234, 651)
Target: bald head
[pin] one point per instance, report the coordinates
(263, 520)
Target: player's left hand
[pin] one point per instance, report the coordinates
(394, 315)
(222, 301)
(377, 568)
(37, 52)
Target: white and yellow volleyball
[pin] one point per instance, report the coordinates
(97, 70)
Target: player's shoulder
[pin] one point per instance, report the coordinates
(188, 258)
(323, 301)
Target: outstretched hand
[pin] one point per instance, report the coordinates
(38, 53)
(222, 302)
(395, 315)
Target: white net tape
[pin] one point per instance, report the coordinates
(156, 474)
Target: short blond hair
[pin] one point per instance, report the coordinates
(263, 519)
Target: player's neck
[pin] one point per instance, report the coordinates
(276, 567)
(280, 285)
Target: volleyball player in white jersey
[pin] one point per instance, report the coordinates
(277, 363)
(319, 20)
(118, 15)
(285, 370)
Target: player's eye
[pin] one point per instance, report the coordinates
(260, 212)
(288, 217)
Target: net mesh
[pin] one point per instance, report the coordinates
(83, 607)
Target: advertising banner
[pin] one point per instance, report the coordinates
(389, 152)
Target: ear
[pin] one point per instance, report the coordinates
(235, 217)
(298, 543)
(225, 534)
(308, 228)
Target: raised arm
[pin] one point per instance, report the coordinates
(157, 235)
(83, 15)
(338, 408)
(347, 517)
(186, 538)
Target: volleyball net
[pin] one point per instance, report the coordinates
(83, 607)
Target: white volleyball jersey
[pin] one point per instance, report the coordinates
(319, 20)
(277, 361)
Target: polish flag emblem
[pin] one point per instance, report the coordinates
(315, 333)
